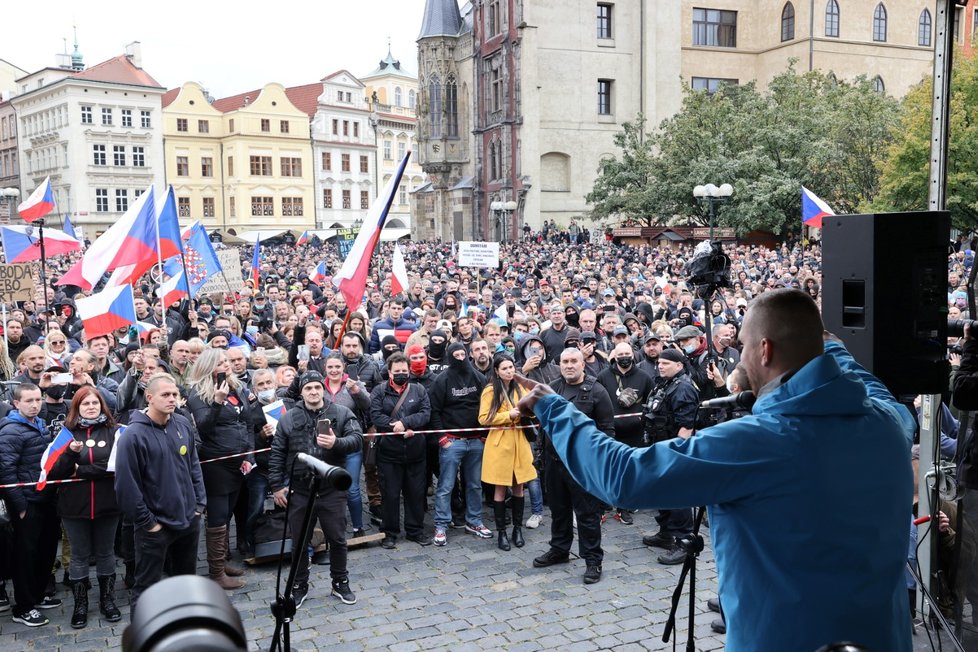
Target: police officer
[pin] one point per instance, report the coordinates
(566, 496)
(670, 413)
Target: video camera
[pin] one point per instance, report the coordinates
(955, 327)
(710, 267)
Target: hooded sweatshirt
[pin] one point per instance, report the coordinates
(455, 397)
(546, 371)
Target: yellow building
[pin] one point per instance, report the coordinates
(240, 163)
(888, 41)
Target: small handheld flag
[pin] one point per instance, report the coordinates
(813, 209)
(303, 239)
(256, 263)
(319, 275)
(21, 243)
(54, 450)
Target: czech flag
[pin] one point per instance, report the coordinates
(39, 204)
(106, 311)
(319, 275)
(303, 239)
(22, 244)
(351, 280)
(54, 450)
(172, 289)
(130, 241)
(256, 263)
(813, 209)
(399, 279)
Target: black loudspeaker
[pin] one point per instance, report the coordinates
(884, 293)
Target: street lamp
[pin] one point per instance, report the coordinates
(9, 196)
(503, 212)
(712, 195)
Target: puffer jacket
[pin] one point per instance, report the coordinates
(225, 428)
(296, 433)
(22, 444)
(96, 497)
(414, 413)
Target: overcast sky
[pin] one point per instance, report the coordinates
(228, 48)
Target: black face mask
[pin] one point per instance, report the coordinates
(573, 319)
(625, 362)
(389, 352)
(55, 391)
(400, 379)
(436, 349)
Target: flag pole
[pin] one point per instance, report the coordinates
(159, 261)
(44, 274)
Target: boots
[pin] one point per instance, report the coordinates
(518, 504)
(79, 615)
(216, 549)
(499, 509)
(106, 598)
(230, 569)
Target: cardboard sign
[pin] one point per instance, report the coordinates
(16, 282)
(231, 262)
(478, 254)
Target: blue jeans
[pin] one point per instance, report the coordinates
(536, 496)
(256, 484)
(468, 453)
(353, 465)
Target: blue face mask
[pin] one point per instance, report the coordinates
(690, 348)
(519, 336)
(534, 330)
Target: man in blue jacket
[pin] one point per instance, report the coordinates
(798, 568)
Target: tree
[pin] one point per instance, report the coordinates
(806, 129)
(906, 170)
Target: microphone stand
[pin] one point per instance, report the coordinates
(284, 606)
(693, 546)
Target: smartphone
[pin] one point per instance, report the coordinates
(61, 379)
(221, 378)
(323, 426)
(303, 353)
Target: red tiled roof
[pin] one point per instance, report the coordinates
(169, 96)
(305, 98)
(118, 70)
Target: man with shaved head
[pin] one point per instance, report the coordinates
(773, 481)
(567, 498)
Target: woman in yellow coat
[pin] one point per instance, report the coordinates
(507, 460)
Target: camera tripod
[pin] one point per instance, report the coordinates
(692, 545)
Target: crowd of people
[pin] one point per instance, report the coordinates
(416, 395)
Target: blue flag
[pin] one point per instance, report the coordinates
(69, 229)
(202, 261)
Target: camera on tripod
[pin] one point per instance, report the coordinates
(710, 267)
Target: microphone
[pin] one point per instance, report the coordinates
(336, 476)
(739, 401)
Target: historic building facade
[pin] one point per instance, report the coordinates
(519, 100)
(95, 131)
(392, 95)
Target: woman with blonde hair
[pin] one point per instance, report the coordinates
(219, 404)
(56, 349)
(507, 461)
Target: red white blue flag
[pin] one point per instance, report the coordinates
(54, 450)
(39, 204)
(303, 239)
(813, 209)
(106, 311)
(351, 280)
(21, 243)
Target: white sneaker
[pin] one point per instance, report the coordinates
(534, 521)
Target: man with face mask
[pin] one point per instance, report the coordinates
(388, 346)
(629, 388)
(437, 343)
(723, 336)
(455, 406)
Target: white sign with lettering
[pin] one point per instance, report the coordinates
(478, 254)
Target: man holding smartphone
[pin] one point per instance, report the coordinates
(330, 433)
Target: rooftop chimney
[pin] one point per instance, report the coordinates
(134, 52)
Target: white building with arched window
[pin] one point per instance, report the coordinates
(391, 93)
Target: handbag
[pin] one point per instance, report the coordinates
(531, 428)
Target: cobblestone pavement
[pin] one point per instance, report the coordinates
(465, 596)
